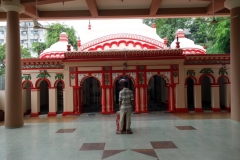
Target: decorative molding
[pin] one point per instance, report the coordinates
(27, 77)
(107, 78)
(123, 53)
(203, 60)
(140, 67)
(114, 75)
(167, 74)
(175, 66)
(206, 71)
(175, 74)
(133, 75)
(141, 77)
(149, 75)
(122, 36)
(106, 68)
(80, 76)
(222, 71)
(42, 66)
(190, 73)
(72, 76)
(59, 76)
(43, 74)
(193, 51)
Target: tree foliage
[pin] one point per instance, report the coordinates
(56, 29)
(25, 53)
(215, 37)
(38, 47)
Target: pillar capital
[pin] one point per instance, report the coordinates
(230, 4)
(13, 5)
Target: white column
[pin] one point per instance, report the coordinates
(215, 98)
(198, 98)
(35, 102)
(24, 104)
(52, 102)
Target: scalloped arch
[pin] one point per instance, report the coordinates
(123, 38)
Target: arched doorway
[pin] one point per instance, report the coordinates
(157, 94)
(44, 97)
(60, 97)
(223, 93)
(118, 87)
(91, 95)
(206, 93)
(190, 94)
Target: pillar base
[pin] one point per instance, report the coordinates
(228, 109)
(27, 112)
(13, 127)
(216, 109)
(182, 110)
(111, 112)
(198, 110)
(67, 113)
(34, 114)
(52, 114)
(145, 111)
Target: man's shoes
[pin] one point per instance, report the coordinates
(119, 132)
(129, 131)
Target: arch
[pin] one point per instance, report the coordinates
(226, 78)
(166, 79)
(193, 78)
(24, 83)
(127, 38)
(37, 84)
(86, 77)
(130, 77)
(56, 82)
(211, 77)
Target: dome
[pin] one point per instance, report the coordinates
(57, 49)
(187, 45)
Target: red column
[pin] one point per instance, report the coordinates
(76, 99)
(110, 96)
(103, 100)
(145, 100)
(137, 100)
(80, 99)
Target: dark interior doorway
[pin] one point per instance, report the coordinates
(44, 97)
(223, 93)
(157, 94)
(206, 93)
(118, 87)
(91, 95)
(60, 97)
(190, 94)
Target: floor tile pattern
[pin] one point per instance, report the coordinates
(163, 145)
(215, 137)
(149, 152)
(185, 127)
(109, 153)
(66, 130)
(92, 146)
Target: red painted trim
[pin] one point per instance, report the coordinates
(208, 75)
(24, 83)
(228, 81)
(103, 101)
(121, 75)
(216, 109)
(86, 77)
(182, 110)
(56, 82)
(198, 109)
(70, 113)
(34, 114)
(193, 78)
(39, 80)
(52, 114)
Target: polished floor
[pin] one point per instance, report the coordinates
(156, 136)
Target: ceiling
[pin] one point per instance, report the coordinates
(107, 9)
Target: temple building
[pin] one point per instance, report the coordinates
(176, 78)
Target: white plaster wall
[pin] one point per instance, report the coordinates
(180, 92)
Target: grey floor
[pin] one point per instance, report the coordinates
(211, 139)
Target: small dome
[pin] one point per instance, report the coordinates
(186, 43)
(57, 49)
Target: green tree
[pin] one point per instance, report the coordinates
(52, 35)
(38, 47)
(25, 53)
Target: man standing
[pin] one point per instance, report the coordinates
(125, 107)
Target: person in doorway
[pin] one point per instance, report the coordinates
(126, 102)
